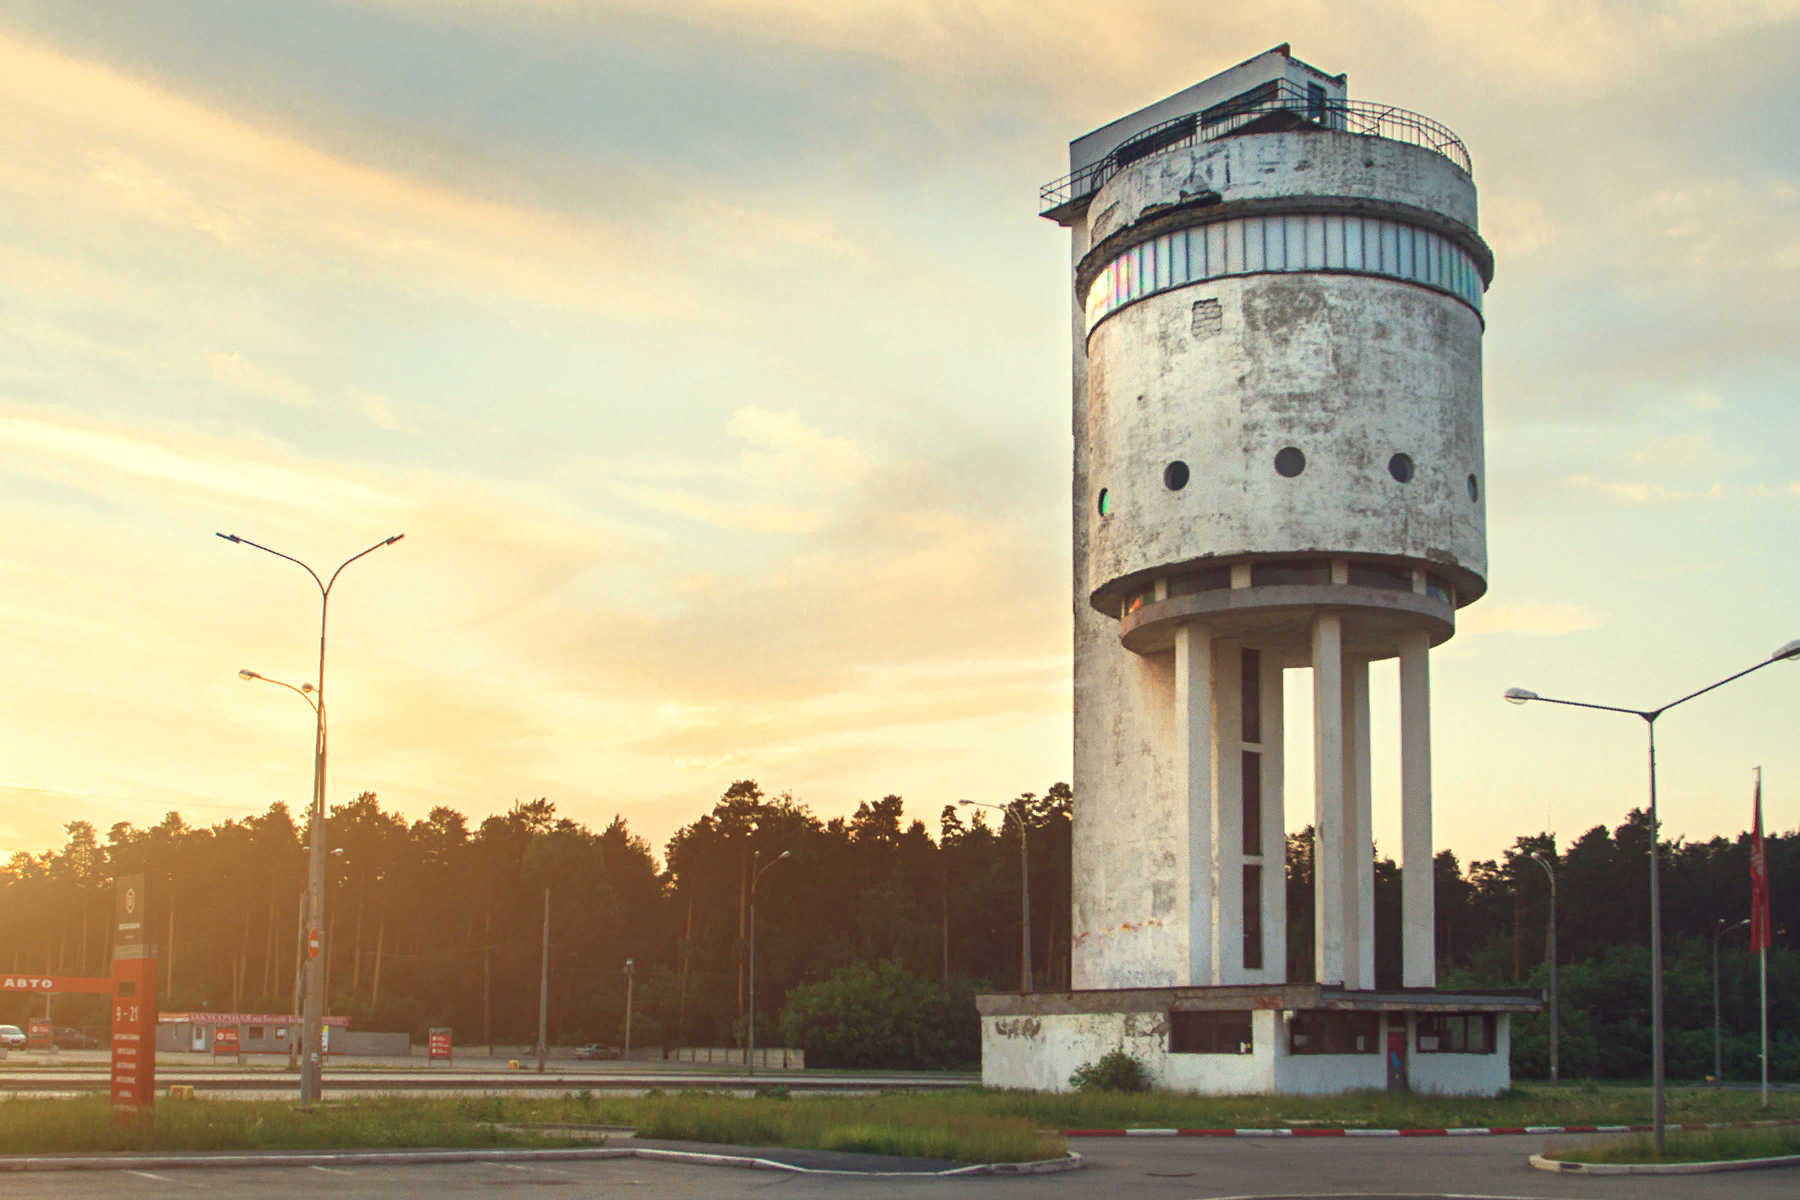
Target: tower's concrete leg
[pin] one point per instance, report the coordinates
(1328, 798)
(1194, 767)
(1274, 826)
(1358, 912)
(1418, 939)
(1228, 814)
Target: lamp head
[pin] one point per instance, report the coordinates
(781, 856)
(1519, 695)
(1791, 651)
(247, 673)
(307, 687)
(393, 539)
(965, 803)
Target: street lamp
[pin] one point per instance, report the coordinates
(1789, 653)
(1024, 891)
(750, 1054)
(1719, 931)
(630, 978)
(312, 1029)
(1555, 1018)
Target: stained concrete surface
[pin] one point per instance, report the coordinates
(1173, 1168)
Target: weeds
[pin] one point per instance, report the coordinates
(1716, 1145)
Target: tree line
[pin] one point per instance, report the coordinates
(437, 922)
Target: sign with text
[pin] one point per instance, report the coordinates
(37, 1033)
(56, 983)
(231, 1018)
(133, 1007)
(128, 911)
(437, 1045)
(225, 1039)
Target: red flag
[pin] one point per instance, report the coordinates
(1759, 879)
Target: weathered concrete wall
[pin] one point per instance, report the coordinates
(1345, 168)
(1467, 1074)
(1351, 370)
(1039, 1053)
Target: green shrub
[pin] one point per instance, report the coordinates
(1114, 1071)
(880, 1016)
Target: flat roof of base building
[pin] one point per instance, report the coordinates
(1270, 65)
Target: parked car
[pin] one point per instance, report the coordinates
(69, 1038)
(594, 1050)
(12, 1037)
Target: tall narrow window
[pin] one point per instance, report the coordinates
(1252, 803)
(1253, 939)
(1252, 693)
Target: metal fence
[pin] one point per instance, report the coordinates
(1280, 107)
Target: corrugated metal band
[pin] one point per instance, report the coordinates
(1258, 245)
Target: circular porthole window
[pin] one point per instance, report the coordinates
(1401, 468)
(1105, 503)
(1474, 489)
(1290, 461)
(1175, 476)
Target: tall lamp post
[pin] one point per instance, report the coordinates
(630, 978)
(1788, 652)
(1720, 930)
(755, 878)
(312, 1021)
(1555, 1016)
(1018, 819)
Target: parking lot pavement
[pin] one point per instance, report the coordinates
(1153, 1169)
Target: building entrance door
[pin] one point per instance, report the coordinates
(1396, 1060)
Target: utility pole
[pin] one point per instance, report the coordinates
(1017, 816)
(1555, 1016)
(1720, 929)
(544, 989)
(630, 978)
(750, 1054)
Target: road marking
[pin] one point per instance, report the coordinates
(329, 1170)
(166, 1179)
(519, 1167)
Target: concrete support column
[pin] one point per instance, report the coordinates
(1418, 905)
(1194, 769)
(1274, 827)
(1228, 814)
(1358, 912)
(1328, 798)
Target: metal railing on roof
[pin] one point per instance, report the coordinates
(1281, 107)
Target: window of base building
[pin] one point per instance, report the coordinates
(1456, 1033)
(1314, 1031)
(1225, 1032)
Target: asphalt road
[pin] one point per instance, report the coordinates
(1153, 1169)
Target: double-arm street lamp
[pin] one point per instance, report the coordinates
(1016, 814)
(1788, 652)
(755, 878)
(1720, 929)
(1555, 1018)
(312, 1020)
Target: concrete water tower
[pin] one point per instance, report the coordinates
(1277, 327)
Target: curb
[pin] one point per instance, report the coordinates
(1697, 1168)
(143, 1162)
(1493, 1131)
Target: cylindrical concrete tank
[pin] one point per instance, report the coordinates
(1283, 335)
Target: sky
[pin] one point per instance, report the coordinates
(713, 360)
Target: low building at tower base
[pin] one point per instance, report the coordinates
(1293, 1039)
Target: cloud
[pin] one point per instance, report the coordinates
(1630, 492)
(380, 410)
(1537, 619)
(72, 451)
(247, 377)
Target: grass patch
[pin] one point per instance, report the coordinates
(83, 1124)
(1716, 1145)
(938, 1125)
